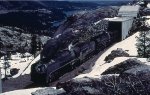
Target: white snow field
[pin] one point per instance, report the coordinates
(27, 70)
(23, 64)
(16, 62)
(148, 5)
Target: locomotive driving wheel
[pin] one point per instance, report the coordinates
(50, 78)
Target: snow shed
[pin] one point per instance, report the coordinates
(129, 11)
(120, 26)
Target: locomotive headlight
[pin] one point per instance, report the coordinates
(41, 68)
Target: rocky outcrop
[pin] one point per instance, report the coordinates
(85, 85)
(127, 83)
(13, 39)
(123, 66)
(81, 21)
(119, 52)
(133, 79)
(137, 79)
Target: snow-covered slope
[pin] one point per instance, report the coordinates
(100, 65)
(23, 64)
(16, 62)
(27, 70)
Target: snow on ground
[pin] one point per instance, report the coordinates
(28, 69)
(100, 65)
(18, 62)
(148, 21)
(21, 92)
(148, 5)
(23, 64)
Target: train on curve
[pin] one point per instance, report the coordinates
(67, 51)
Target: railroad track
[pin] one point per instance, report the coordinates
(85, 67)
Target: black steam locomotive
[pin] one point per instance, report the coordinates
(64, 52)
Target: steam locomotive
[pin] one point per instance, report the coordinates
(67, 50)
(56, 59)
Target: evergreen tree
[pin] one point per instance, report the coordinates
(6, 64)
(39, 44)
(33, 45)
(145, 3)
(143, 43)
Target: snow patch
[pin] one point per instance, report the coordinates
(16, 61)
(28, 69)
(21, 92)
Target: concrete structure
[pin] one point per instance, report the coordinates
(120, 26)
(129, 11)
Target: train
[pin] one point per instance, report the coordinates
(55, 62)
(66, 51)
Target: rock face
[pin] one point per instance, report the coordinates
(13, 39)
(123, 66)
(132, 80)
(137, 79)
(126, 84)
(116, 53)
(82, 85)
(81, 21)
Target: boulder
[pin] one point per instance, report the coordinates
(81, 86)
(137, 79)
(16, 40)
(119, 52)
(123, 66)
(14, 71)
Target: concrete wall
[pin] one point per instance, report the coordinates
(126, 26)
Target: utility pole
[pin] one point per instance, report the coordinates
(5, 66)
(0, 81)
(5, 62)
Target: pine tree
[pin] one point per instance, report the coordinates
(33, 45)
(39, 44)
(143, 43)
(6, 64)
